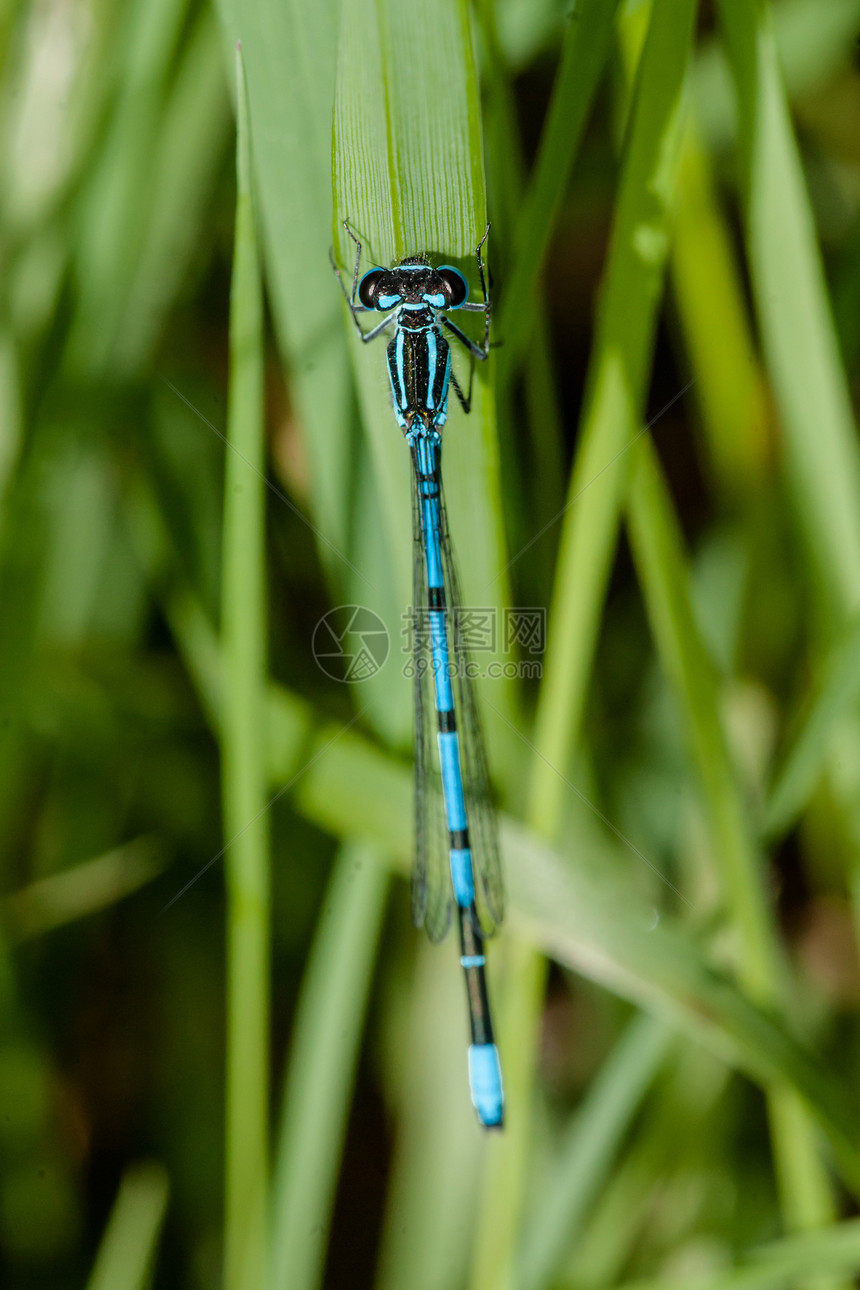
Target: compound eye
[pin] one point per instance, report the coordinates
(368, 288)
(456, 286)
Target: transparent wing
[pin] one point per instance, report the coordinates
(480, 813)
(432, 894)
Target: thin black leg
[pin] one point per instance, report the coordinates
(485, 307)
(357, 261)
(477, 351)
(465, 400)
(355, 309)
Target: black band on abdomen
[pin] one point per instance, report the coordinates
(472, 949)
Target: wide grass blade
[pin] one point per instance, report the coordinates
(408, 174)
(408, 163)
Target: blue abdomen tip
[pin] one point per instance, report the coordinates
(485, 1082)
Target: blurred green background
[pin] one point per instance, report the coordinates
(261, 1080)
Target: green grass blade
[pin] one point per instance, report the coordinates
(812, 40)
(323, 1057)
(244, 771)
(617, 375)
(408, 163)
(10, 412)
(658, 553)
(801, 351)
(586, 1154)
(832, 1251)
(82, 889)
(709, 294)
(290, 52)
(503, 152)
(429, 1223)
(657, 548)
(676, 1134)
(127, 1252)
(194, 132)
(805, 760)
(504, 1195)
(118, 197)
(807, 1198)
(584, 54)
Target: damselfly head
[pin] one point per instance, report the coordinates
(413, 282)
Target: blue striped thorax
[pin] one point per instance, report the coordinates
(419, 357)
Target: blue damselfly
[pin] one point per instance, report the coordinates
(456, 847)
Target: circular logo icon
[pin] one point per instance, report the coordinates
(350, 643)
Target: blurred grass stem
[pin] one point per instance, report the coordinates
(243, 750)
